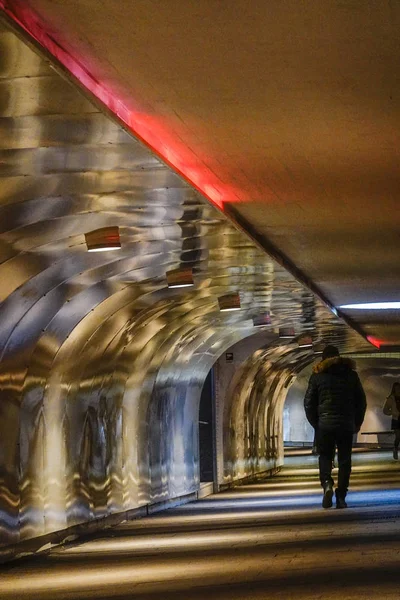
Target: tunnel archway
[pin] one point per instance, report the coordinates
(102, 363)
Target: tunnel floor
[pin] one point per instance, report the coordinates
(261, 541)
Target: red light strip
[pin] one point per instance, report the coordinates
(145, 127)
(374, 341)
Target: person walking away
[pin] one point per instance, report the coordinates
(335, 406)
(392, 408)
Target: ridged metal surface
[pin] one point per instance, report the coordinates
(101, 364)
(253, 409)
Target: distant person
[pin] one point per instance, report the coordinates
(335, 406)
(392, 408)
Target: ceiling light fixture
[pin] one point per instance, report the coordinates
(318, 347)
(305, 341)
(373, 306)
(286, 332)
(262, 319)
(103, 239)
(229, 302)
(180, 278)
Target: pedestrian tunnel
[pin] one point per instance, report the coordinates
(104, 354)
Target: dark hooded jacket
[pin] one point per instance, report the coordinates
(335, 398)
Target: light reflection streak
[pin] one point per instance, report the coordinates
(177, 550)
(126, 577)
(211, 541)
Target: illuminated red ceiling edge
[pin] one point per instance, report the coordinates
(197, 174)
(372, 340)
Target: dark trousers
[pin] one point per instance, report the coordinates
(327, 441)
(396, 438)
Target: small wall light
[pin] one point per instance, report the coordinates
(305, 341)
(262, 319)
(179, 278)
(101, 240)
(318, 347)
(286, 332)
(229, 302)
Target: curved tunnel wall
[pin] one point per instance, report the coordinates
(102, 364)
(253, 409)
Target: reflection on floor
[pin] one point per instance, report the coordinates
(270, 540)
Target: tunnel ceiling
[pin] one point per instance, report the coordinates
(286, 114)
(67, 169)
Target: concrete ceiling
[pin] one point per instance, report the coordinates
(284, 113)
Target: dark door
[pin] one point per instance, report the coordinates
(206, 429)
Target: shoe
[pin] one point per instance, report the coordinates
(340, 501)
(395, 453)
(328, 494)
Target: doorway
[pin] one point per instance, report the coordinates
(206, 430)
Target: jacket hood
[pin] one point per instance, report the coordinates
(335, 360)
